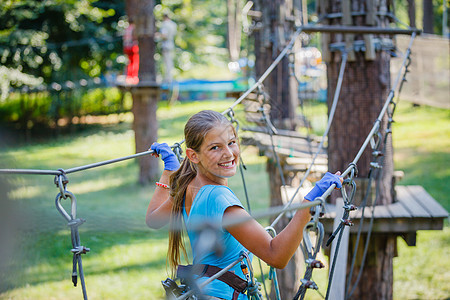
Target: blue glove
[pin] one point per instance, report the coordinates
(169, 158)
(322, 185)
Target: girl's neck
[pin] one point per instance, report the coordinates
(201, 180)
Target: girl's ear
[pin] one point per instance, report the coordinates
(192, 155)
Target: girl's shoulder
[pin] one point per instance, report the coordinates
(219, 190)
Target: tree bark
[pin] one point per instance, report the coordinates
(146, 93)
(269, 41)
(412, 13)
(428, 16)
(365, 88)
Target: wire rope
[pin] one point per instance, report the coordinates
(330, 120)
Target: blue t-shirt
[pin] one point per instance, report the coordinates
(209, 205)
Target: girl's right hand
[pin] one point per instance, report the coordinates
(169, 158)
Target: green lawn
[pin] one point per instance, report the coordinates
(127, 260)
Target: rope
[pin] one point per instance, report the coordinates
(390, 113)
(348, 201)
(330, 120)
(73, 223)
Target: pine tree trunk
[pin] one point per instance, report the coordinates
(412, 13)
(428, 16)
(268, 44)
(364, 91)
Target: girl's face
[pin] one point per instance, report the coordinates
(219, 154)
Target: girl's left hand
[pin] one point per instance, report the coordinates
(323, 184)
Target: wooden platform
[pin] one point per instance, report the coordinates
(413, 210)
(293, 148)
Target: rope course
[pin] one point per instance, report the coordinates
(314, 227)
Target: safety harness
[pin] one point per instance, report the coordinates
(238, 284)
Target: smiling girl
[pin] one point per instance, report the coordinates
(197, 191)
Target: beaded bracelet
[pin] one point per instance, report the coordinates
(163, 185)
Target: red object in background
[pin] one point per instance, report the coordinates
(131, 49)
(133, 63)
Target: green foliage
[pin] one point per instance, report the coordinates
(43, 109)
(201, 38)
(59, 40)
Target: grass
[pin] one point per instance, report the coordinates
(127, 260)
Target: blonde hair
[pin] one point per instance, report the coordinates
(195, 130)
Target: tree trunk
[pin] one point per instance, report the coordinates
(269, 41)
(365, 88)
(412, 13)
(428, 16)
(146, 93)
(234, 8)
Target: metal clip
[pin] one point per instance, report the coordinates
(178, 151)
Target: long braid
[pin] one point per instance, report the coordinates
(195, 131)
(179, 181)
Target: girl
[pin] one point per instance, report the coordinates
(198, 191)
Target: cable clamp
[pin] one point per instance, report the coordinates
(375, 165)
(347, 222)
(80, 250)
(314, 263)
(377, 153)
(350, 207)
(309, 284)
(76, 222)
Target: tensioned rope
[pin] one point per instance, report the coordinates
(319, 200)
(61, 179)
(310, 259)
(375, 166)
(370, 138)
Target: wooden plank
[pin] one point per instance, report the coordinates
(347, 20)
(337, 288)
(370, 47)
(370, 14)
(408, 202)
(397, 210)
(427, 202)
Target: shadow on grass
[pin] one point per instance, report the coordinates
(46, 257)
